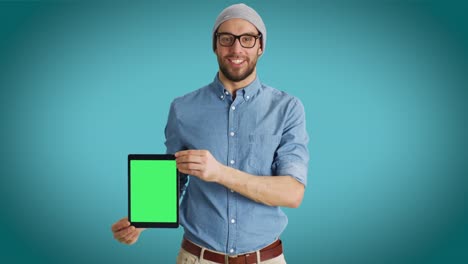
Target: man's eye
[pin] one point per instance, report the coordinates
(247, 38)
(226, 39)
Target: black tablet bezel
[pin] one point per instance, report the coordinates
(152, 224)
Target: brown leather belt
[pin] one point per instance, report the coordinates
(266, 253)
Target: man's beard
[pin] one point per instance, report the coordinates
(234, 76)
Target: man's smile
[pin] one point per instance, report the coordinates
(236, 61)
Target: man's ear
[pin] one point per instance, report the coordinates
(260, 51)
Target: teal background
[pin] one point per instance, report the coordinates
(384, 84)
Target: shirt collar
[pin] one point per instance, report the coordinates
(247, 92)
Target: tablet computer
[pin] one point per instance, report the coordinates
(153, 190)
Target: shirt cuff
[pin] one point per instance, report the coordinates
(296, 170)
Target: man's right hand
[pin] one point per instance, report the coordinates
(125, 233)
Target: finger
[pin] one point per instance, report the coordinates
(125, 237)
(196, 173)
(130, 234)
(182, 153)
(121, 234)
(190, 158)
(190, 152)
(122, 223)
(190, 166)
(132, 238)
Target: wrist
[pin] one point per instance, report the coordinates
(222, 172)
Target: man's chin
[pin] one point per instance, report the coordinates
(234, 76)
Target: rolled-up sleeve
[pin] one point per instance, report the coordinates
(292, 155)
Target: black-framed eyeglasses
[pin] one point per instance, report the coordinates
(245, 40)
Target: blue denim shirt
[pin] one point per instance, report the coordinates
(261, 132)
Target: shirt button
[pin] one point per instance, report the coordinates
(233, 108)
(232, 134)
(231, 250)
(232, 161)
(226, 92)
(247, 97)
(222, 96)
(232, 191)
(233, 220)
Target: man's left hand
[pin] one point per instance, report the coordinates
(199, 163)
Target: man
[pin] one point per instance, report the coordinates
(244, 145)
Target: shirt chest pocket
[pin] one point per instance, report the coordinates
(262, 149)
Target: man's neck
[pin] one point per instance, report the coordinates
(232, 87)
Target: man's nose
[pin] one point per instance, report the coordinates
(236, 46)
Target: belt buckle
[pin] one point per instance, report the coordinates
(228, 258)
(235, 259)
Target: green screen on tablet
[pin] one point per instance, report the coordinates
(153, 190)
